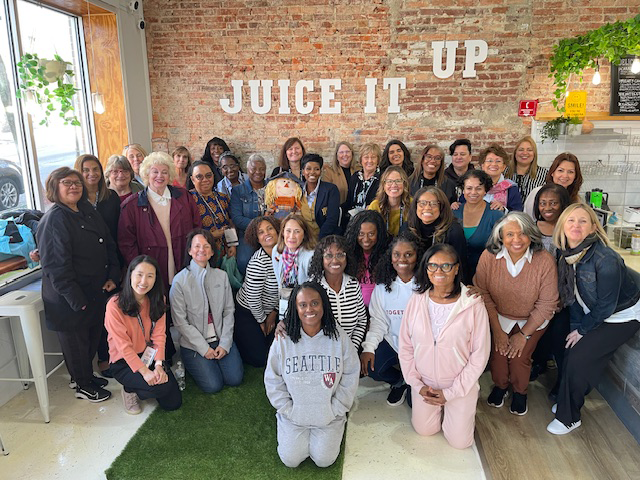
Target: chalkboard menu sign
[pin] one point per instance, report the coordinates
(625, 89)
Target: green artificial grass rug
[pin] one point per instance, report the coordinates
(229, 435)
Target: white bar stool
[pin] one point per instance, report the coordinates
(24, 308)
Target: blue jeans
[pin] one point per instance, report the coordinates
(212, 375)
(384, 365)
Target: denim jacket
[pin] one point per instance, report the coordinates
(244, 205)
(606, 286)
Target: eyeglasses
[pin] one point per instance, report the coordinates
(233, 166)
(337, 256)
(425, 203)
(69, 183)
(437, 158)
(119, 172)
(201, 177)
(445, 267)
(398, 181)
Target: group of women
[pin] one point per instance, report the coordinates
(438, 272)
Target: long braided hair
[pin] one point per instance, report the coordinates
(292, 319)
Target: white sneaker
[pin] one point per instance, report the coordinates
(554, 408)
(131, 403)
(558, 428)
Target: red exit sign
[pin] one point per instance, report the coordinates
(528, 108)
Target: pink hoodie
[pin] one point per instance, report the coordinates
(456, 360)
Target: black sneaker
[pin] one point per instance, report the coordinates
(519, 404)
(99, 381)
(96, 381)
(397, 395)
(497, 396)
(94, 395)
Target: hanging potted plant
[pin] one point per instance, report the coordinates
(48, 84)
(554, 128)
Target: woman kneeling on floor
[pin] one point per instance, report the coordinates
(444, 348)
(202, 310)
(311, 379)
(136, 323)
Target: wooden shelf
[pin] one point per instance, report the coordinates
(545, 117)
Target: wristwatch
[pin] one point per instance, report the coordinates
(526, 337)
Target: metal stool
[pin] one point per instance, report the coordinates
(24, 308)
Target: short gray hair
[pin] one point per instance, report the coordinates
(256, 158)
(118, 162)
(529, 228)
(157, 158)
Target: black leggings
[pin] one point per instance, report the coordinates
(585, 363)
(251, 342)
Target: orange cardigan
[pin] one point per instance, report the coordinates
(125, 335)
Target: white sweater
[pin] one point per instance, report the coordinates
(386, 310)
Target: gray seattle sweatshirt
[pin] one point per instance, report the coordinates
(314, 381)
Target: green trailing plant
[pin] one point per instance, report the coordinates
(51, 88)
(551, 129)
(612, 41)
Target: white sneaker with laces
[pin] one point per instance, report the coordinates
(558, 428)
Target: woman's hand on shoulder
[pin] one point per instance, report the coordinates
(496, 205)
(455, 205)
(281, 330)
(473, 291)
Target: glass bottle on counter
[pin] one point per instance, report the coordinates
(635, 241)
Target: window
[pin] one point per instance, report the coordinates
(47, 32)
(30, 151)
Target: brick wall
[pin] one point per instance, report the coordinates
(195, 49)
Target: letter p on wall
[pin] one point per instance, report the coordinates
(479, 50)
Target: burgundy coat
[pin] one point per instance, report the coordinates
(140, 233)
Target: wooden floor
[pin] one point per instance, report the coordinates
(513, 447)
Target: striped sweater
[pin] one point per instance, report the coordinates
(348, 308)
(259, 292)
(526, 183)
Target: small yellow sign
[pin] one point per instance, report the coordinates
(576, 104)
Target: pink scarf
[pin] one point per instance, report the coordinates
(290, 267)
(499, 191)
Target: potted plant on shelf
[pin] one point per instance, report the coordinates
(574, 126)
(554, 128)
(47, 83)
